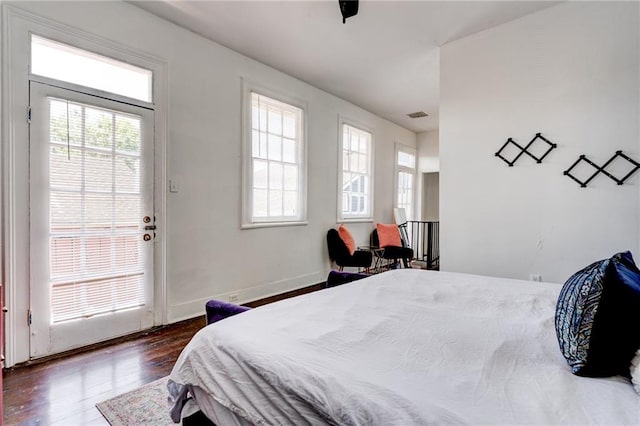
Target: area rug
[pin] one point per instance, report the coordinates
(147, 405)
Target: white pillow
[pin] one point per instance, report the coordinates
(635, 371)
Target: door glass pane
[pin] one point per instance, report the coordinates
(127, 174)
(127, 134)
(65, 167)
(127, 211)
(98, 132)
(100, 171)
(95, 209)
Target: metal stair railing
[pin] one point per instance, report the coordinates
(424, 238)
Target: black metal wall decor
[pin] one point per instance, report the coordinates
(618, 154)
(525, 150)
(348, 8)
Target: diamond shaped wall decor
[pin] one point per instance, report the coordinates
(618, 154)
(525, 149)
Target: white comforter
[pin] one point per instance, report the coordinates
(402, 348)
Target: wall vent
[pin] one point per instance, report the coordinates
(418, 114)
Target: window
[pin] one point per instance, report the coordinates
(276, 170)
(356, 185)
(405, 177)
(66, 63)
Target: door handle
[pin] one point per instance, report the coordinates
(150, 228)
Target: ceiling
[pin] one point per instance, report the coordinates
(385, 59)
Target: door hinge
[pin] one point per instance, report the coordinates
(29, 318)
(29, 115)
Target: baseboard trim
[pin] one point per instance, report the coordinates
(246, 296)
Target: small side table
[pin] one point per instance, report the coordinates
(378, 259)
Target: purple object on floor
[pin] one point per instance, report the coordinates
(217, 310)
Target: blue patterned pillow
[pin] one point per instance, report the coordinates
(575, 312)
(597, 315)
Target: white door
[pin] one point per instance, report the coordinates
(91, 198)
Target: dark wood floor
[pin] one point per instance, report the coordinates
(64, 391)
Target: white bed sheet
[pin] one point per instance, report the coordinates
(400, 348)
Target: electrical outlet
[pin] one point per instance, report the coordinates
(535, 277)
(233, 297)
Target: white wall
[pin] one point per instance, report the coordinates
(570, 72)
(428, 161)
(431, 196)
(208, 255)
(428, 151)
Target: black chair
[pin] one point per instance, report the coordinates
(392, 252)
(339, 253)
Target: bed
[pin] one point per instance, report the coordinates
(400, 348)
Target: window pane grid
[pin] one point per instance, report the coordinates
(96, 261)
(356, 180)
(406, 175)
(276, 160)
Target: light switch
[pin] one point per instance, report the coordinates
(173, 185)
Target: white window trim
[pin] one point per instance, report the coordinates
(355, 218)
(246, 209)
(17, 27)
(399, 147)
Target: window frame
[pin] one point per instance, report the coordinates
(342, 122)
(247, 219)
(412, 170)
